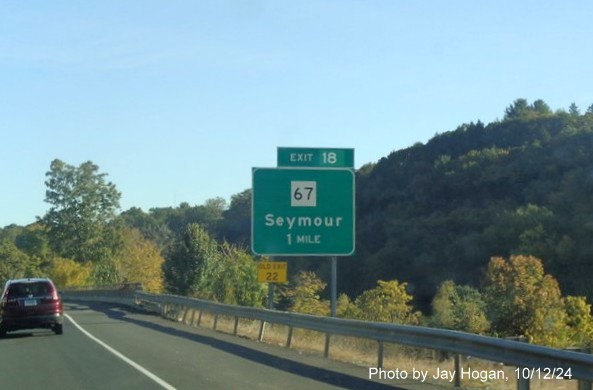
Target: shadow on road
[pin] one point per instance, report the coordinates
(316, 373)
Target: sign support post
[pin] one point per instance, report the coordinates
(271, 287)
(271, 296)
(334, 285)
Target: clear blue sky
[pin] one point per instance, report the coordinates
(178, 100)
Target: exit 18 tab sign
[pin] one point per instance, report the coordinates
(302, 212)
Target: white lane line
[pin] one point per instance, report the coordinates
(122, 357)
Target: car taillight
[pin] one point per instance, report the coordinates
(51, 298)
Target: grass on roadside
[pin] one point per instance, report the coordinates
(364, 352)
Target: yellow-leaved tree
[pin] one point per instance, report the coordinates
(139, 261)
(523, 301)
(388, 302)
(303, 294)
(69, 273)
(580, 321)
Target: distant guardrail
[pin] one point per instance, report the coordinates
(122, 294)
(509, 352)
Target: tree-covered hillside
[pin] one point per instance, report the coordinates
(439, 211)
(522, 185)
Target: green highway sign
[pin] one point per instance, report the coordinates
(300, 211)
(316, 157)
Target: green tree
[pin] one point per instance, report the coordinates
(540, 107)
(34, 242)
(523, 301)
(208, 215)
(80, 219)
(521, 109)
(14, 263)
(150, 227)
(236, 224)
(11, 232)
(388, 302)
(232, 278)
(518, 109)
(211, 214)
(573, 110)
(527, 230)
(184, 264)
(460, 308)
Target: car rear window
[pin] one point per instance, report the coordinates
(24, 290)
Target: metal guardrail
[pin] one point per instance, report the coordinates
(488, 348)
(122, 294)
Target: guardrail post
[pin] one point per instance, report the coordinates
(200, 318)
(457, 370)
(522, 382)
(236, 326)
(193, 317)
(289, 340)
(215, 321)
(326, 349)
(176, 310)
(261, 331)
(380, 354)
(185, 314)
(584, 384)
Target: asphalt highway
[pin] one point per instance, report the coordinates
(108, 347)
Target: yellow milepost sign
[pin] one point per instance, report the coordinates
(272, 271)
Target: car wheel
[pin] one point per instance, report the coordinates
(2, 332)
(58, 329)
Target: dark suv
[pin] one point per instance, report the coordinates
(29, 304)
